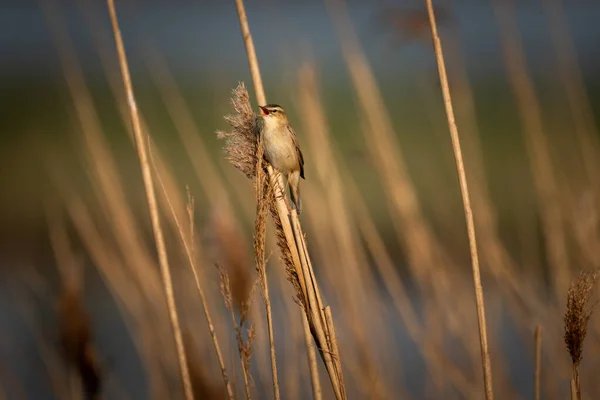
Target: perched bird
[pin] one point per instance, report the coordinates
(281, 148)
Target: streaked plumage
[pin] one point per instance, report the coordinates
(281, 148)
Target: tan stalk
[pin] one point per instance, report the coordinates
(312, 361)
(293, 234)
(538, 362)
(464, 189)
(152, 205)
(109, 190)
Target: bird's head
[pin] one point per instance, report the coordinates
(273, 113)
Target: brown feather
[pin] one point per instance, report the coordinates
(300, 156)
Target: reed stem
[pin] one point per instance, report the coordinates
(152, 204)
(464, 190)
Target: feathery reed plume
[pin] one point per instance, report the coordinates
(152, 203)
(464, 190)
(241, 143)
(578, 314)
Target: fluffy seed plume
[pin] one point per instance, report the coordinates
(243, 151)
(578, 313)
(241, 143)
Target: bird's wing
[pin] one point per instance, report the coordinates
(297, 146)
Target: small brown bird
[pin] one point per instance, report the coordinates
(281, 148)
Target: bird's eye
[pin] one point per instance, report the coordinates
(273, 111)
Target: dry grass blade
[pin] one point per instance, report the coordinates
(579, 312)
(152, 204)
(485, 356)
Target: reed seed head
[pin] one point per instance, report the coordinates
(241, 143)
(578, 313)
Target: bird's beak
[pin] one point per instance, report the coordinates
(263, 111)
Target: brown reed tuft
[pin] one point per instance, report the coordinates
(579, 312)
(241, 143)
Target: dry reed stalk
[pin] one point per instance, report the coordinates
(152, 205)
(173, 201)
(537, 145)
(103, 47)
(576, 320)
(187, 241)
(485, 356)
(312, 361)
(292, 241)
(538, 362)
(262, 189)
(104, 170)
(109, 191)
(573, 388)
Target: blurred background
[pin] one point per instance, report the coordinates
(383, 212)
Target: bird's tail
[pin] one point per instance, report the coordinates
(294, 183)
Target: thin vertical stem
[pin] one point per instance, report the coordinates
(260, 96)
(152, 204)
(574, 395)
(538, 361)
(464, 189)
(251, 53)
(312, 361)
